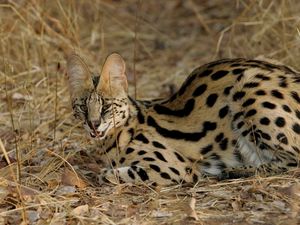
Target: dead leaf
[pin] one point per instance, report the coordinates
(279, 204)
(236, 205)
(32, 216)
(66, 190)
(52, 183)
(20, 97)
(80, 210)
(191, 209)
(292, 191)
(72, 179)
(160, 214)
(132, 210)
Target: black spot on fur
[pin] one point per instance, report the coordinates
(206, 149)
(129, 150)
(158, 145)
(179, 157)
(297, 113)
(280, 121)
(174, 170)
(205, 73)
(238, 71)
(149, 159)
(195, 178)
(188, 170)
(223, 111)
(296, 128)
(251, 112)
(142, 152)
(265, 136)
(211, 100)
(295, 96)
(207, 126)
(165, 175)
(282, 82)
(223, 144)
(296, 149)
(142, 174)
(240, 124)
(260, 92)
(131, 174)
(277, 94)
(227, 90)
(282, 138)
(200, 90)
(264, 121)
(251, 85)
(219, 137)
(122, 160)
(237, 115)
(238, 95)
(142, 138)
(249, 102)
(219, 74)
(155, 167)
(160, 156)
(246, 132)
(135, 163)
(262, 77)
(239, 77)
(268, 105)
(286, 108)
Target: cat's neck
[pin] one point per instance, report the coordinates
(121, 136)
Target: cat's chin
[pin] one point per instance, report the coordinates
(96, 137)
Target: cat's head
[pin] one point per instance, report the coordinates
(100, 102)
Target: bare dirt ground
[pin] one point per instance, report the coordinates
(46, 162)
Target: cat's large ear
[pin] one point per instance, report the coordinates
(113, 81)
(80, 80)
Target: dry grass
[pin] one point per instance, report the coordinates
(161, 41)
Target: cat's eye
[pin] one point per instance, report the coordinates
(83, 108)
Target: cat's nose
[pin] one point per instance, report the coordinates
(96, 123)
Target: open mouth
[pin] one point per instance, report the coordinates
(98, 134)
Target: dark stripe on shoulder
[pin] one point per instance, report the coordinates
(187, 83)
(176, 134)
(188, 108)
